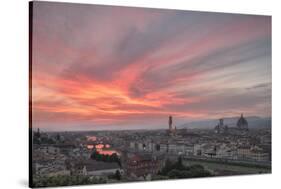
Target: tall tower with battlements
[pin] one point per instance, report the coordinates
(170, 123)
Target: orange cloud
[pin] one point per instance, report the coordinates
(91, 100)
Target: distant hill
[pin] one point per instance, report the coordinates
(253, 122)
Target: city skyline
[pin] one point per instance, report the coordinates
(113, 67)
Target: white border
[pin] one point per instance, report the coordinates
(14, 91)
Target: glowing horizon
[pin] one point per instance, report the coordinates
(96, 67)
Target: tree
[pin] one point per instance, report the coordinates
(118, 175)
(114, 157)
(99, 157)
(168, 166)
(179, 164)
(58, 137)
(107, 158)
(94, 154)
(178, 170)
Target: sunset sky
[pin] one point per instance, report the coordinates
(106, 67)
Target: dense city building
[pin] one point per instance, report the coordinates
(114, 156)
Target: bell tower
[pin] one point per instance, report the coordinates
(170, 123)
